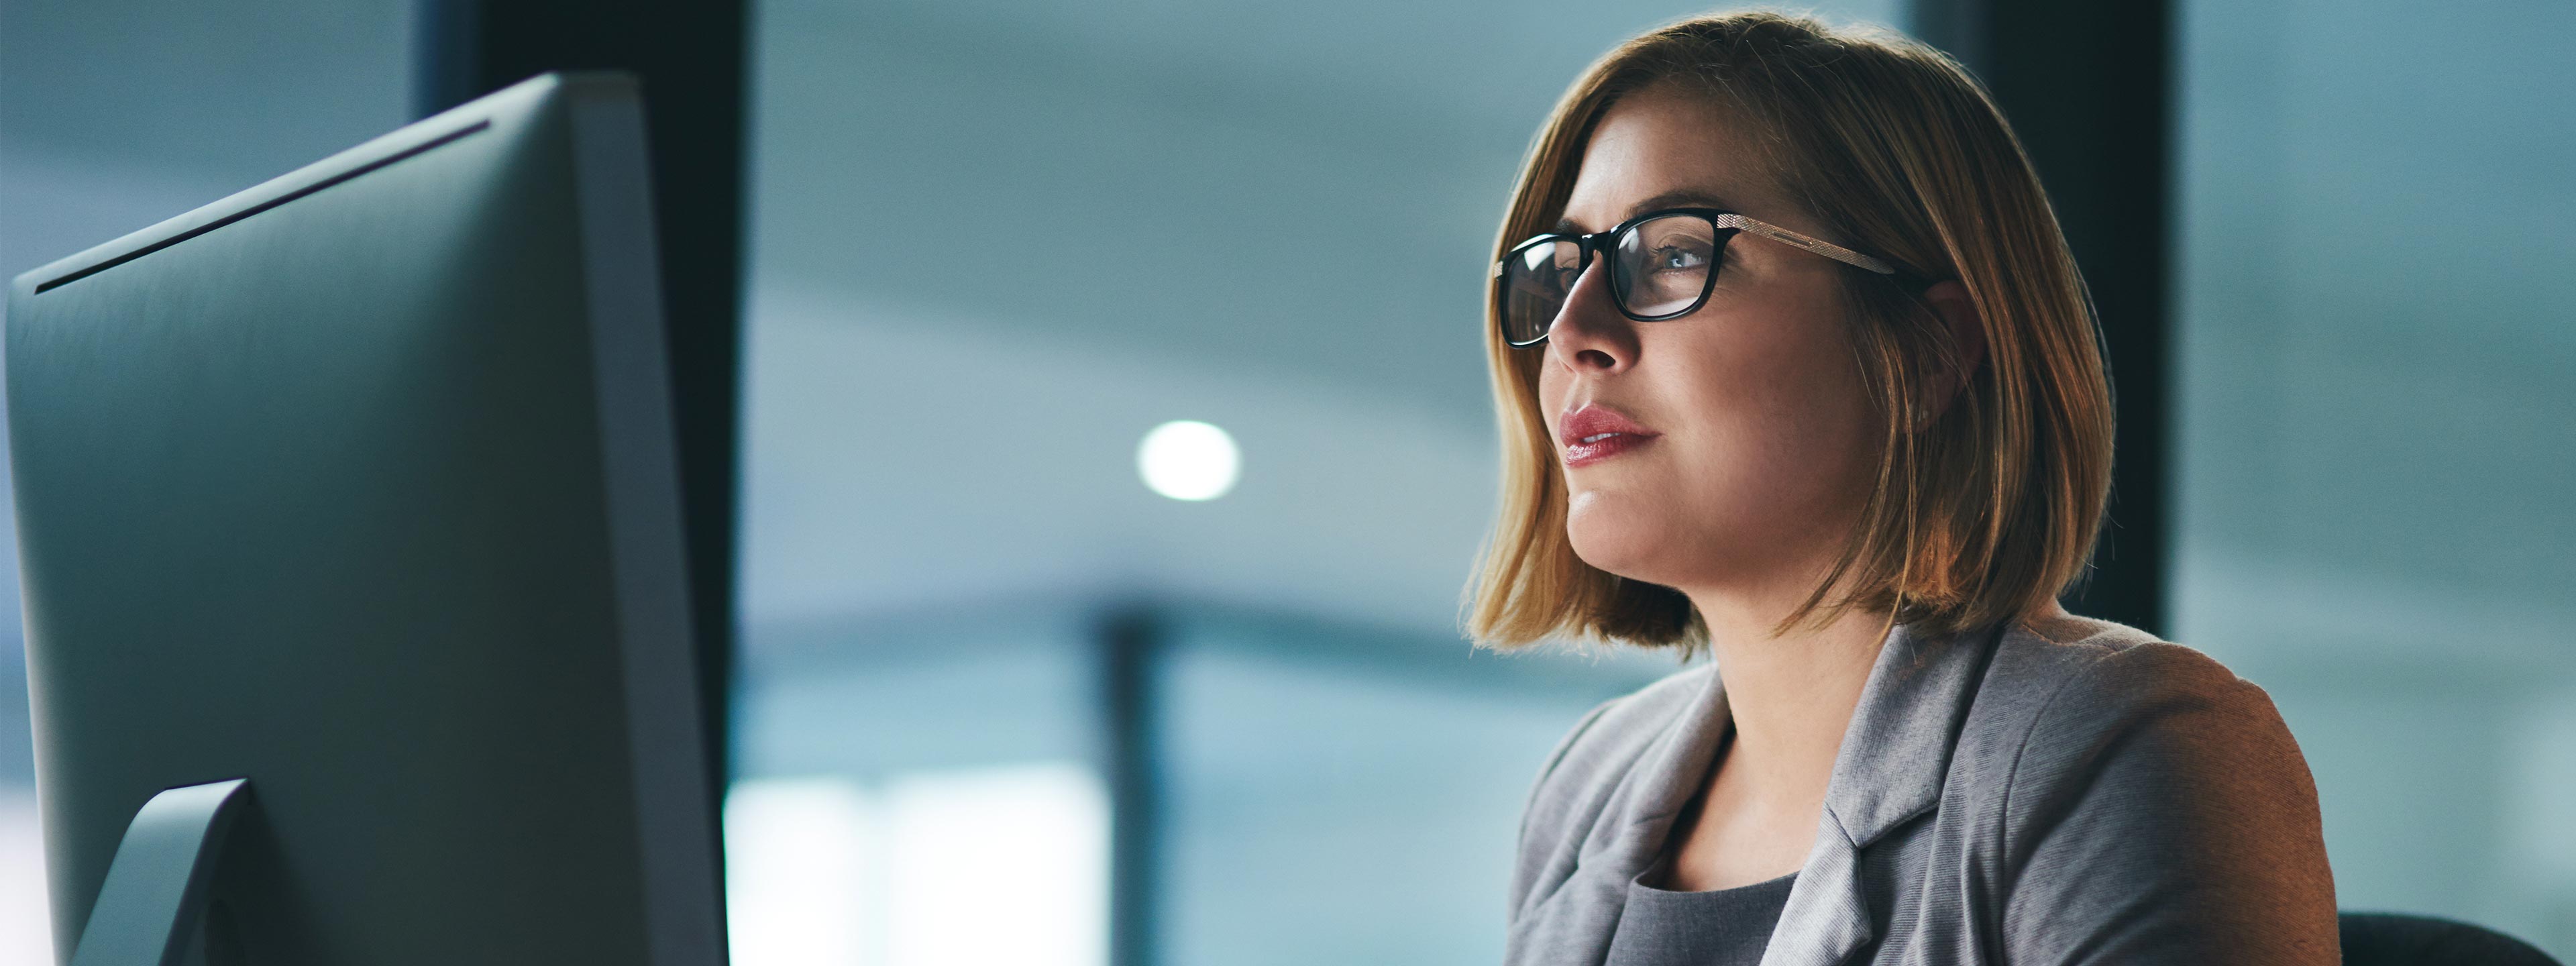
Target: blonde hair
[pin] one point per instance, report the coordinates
(1981, 514)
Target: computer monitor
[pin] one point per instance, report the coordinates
(358, 487)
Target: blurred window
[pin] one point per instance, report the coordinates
(2378, 426)
(996, 866)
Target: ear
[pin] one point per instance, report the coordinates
(1967, 326)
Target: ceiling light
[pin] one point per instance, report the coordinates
(1188, 460)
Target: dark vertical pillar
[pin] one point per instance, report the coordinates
(1129, 643)
(689, 54)
(2088, 87)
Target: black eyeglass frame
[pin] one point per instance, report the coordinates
(1724, 224)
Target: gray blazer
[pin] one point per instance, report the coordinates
(2062, 790)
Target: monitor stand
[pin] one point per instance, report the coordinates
(150, 912)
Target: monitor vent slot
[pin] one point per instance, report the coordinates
(424, 148)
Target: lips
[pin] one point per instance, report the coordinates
(1595, 433)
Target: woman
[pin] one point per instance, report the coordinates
(1794, 368)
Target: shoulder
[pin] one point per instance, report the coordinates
(2106, 756)
(2064, 679)
(2102, 729)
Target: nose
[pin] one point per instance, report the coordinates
(1589, 335)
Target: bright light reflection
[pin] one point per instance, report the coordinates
(1188, 460)
(799, 875)
(1004, 866)
(24, 927)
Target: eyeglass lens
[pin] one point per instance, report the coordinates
(1659, 268)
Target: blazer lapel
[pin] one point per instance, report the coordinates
(1574, 925)
(1889, 770)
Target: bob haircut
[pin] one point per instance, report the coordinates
(1980, 514)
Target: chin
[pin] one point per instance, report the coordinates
(1634, 545)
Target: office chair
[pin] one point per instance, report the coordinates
(2389, 939)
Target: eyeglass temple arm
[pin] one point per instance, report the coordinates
(1794, 240)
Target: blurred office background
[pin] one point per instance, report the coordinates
(990, 245)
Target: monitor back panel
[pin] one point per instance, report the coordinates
(312, 488)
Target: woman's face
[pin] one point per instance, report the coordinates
(1753, 440)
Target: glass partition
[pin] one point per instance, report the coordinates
(2375, 435)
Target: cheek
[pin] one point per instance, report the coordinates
(1773, 447)
(1803, 420)
(1551, 390)
(1793, 429)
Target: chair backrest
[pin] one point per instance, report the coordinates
(2389, 939)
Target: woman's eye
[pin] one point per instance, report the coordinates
(1677, 258)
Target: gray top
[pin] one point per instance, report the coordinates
(1720, 927)
(2056, 790)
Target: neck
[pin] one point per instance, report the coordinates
(1791, 696)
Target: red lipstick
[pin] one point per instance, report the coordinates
(1595, 433)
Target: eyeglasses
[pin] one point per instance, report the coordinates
(1662, 266)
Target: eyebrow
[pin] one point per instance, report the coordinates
(1684, 198)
